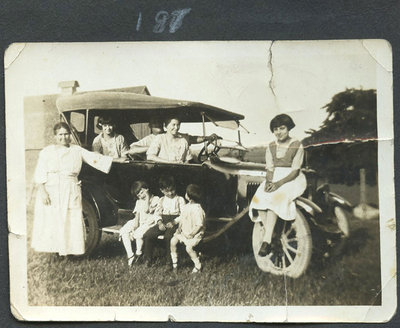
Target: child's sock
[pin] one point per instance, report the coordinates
(139, 246)
(174, 258)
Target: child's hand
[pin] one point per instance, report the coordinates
(169, 225)
(271, 187)
(267, 186)
(161, 226)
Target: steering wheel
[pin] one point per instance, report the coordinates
(204, 154)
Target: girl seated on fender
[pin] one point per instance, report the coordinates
(284, 181)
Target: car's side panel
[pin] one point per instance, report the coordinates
(112, 191)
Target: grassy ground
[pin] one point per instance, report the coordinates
(229, 277)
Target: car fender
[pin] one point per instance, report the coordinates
(307, 205)
(340, 201)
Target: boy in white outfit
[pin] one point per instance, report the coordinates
(191, 227)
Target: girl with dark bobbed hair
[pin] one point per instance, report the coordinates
(281, 119)
(284, 181)
(108, 142)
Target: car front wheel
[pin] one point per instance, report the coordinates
(93, 233)
(291, 253)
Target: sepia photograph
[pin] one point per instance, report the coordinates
(201, 181)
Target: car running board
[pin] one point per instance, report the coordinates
(115, 230)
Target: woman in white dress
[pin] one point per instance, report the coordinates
(58, 225)
(284, 180)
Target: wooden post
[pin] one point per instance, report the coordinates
(363, 187)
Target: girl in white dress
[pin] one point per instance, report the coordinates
(134, 229)
(284, 180)
(58, 225)
(191, 227)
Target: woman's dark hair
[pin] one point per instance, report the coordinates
(137, 186)
(105, 120)
(169, 119)
(61, 125)
(167, 183)
(281, 119)
(194, 192)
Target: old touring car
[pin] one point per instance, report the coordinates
(229, 183)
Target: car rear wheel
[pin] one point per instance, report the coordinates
(291, 251)
(93, 233)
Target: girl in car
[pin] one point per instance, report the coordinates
(108, 142)
(171, 146)
(284, 181)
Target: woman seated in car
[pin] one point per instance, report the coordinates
(108, 142)
(156, 128)
(171, 146)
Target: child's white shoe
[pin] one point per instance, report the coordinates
(130, 260)
(196, 269)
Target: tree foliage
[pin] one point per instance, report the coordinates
(347, 139)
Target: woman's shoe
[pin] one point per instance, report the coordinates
(265, 249)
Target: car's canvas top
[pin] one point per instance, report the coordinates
(146, 106)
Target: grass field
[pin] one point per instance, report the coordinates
(229, 277)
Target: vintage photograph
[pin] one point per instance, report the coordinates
(159, 181)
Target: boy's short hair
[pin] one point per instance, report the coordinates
(194, 192)
(137, 186)
(166, 182)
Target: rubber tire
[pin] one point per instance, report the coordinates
(93, 232)
(342, 221)
(300, 261)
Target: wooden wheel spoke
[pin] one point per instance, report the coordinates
(294, 250)
(289, 257)
(283, 262)
(287, 233)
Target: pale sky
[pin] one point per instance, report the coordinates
(233, 75)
